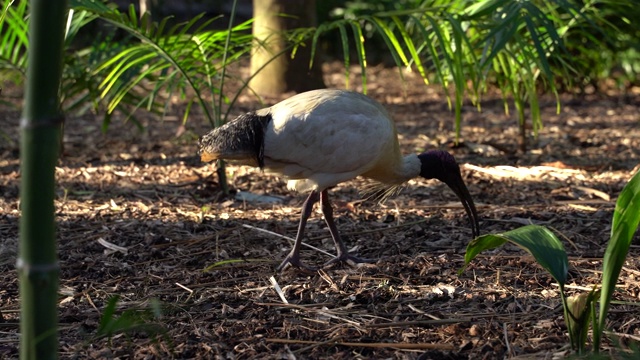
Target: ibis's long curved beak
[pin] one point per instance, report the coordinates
(456, 184)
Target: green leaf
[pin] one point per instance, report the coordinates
(480, 244)
(106, 319)
(131, 320)
(362, 56)
(408, 42)
(482, 8)
(459, 77)
(429, 44)
(542, 53)
(539, 241)
(344, 39)
(444, 41)
(390, 38)
(626, 217)
(377, 23)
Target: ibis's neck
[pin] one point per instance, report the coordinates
(396, 171)
(411, 166)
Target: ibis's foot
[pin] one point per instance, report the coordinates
(351, 260)
(294, 260)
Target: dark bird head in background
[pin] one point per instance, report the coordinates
(438, 164)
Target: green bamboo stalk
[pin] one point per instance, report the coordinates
(41, 128)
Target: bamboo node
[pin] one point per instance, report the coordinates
(29, 269)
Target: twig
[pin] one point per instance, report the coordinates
(111, 247)
(323, 312)
(375, 230)
(506, 338)
(622, 335)
(627, 269)
(405, 346)
(187, 289)
(278, 289)
(306, 348)
(302, 306)
(565, 237)
(88, 297)
(418, 323)
(287, 238)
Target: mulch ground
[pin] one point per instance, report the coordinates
(140, 218)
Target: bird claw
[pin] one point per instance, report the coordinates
(295, 261)
(345, 258)
(350, 260)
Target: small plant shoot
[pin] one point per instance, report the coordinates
(547, 249)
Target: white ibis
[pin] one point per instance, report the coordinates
(321, 138)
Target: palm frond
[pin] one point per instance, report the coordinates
(520, 46)
(162, 59)
(14, 41)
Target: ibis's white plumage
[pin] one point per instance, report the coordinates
(324, 137)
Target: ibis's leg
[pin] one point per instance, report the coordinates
(294, 256)
(343, 254)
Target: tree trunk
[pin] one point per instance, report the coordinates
(282, 73)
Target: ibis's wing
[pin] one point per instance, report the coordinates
(327, 136)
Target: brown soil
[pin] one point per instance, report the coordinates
(179, 238)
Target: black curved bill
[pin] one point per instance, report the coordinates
(456, 184)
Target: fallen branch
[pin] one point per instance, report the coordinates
(406, 346)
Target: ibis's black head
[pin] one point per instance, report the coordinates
(438, 164)
(240, 140)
